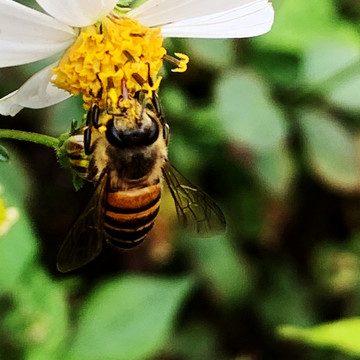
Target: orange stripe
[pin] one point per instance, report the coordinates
(134, 199)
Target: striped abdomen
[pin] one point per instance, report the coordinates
(130, 215)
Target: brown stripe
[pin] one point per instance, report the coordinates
(126, 244)
(127, 236)
(131, 222)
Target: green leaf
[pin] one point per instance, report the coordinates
(332, 68)
(275, 169)
(195, 341)
(330, 150)
(346, 94)
(19, 245)
(4, 155)
(323, 60)
(218, 53)
(14, 179)
(246, 109)
(225, 272)
(285, 298)
(341, 335)
(37, 321)
(299, 25)
(129, 318)
(18, 248)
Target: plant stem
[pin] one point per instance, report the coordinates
(36, 138)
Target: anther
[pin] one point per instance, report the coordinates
(181, 62)
(129, 56)
(139, 79)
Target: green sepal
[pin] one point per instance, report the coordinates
(77, 181)
(61, 154)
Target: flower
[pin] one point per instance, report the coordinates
(8, 216)
(103, 46)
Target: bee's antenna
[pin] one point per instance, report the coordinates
(143, 109)
(150, 80)
(100, 91)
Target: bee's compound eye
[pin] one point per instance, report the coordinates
(150, 134)
(140, 136)
(113, 135)
(166, 131)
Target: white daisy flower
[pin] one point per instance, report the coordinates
(101, 45)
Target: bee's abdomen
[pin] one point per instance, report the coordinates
(130, 215)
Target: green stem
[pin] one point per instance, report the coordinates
(36, 138)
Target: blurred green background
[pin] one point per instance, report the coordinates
(270, 128)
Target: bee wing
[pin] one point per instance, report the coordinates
(84, 239)
(196, 210)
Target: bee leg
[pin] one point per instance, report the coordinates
(156, 103)
(87, 140)
(87, 131)
(92, 120)
(95, 115)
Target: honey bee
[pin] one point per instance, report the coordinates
(128, 161)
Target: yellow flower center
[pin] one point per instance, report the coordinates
(114, 56)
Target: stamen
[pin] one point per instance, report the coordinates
(181, 62)
(138, 78)
(129, 56)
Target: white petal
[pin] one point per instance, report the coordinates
(252, 20)
(161, 12)
(17, 54)
(78, 12)
(27, 35)
(36, 93)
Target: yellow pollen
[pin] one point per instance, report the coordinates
(107, 60)
(102, 128)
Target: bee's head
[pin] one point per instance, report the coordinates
(142, 132)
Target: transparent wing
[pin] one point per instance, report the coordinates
(84, 240)
(196, 210)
